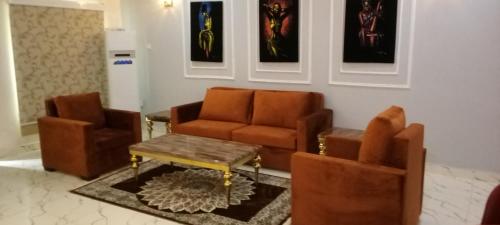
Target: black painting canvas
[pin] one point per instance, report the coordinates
(370, 31)
(279, 30)
(206, 31)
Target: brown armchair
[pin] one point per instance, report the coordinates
(491, 214)
(80, 137)
(382, 186)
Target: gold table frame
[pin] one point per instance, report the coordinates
(162, 116)
(215, 166)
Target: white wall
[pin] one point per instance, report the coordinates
(112, 14)
(9, 127)
(455, 78)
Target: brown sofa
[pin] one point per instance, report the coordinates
(383, 185)
(284, 122)
(80, 137)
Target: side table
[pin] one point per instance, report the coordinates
(338, 132)
(162, 116)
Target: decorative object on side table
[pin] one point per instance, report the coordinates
(162, 116)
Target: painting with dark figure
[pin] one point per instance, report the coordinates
(279, 30)
(206, 31)
(370, 31)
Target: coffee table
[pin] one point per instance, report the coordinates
(200, 152)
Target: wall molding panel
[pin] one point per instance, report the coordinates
(210, 70)
(293, 73)
(379, 75)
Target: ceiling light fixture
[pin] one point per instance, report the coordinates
(167, 3)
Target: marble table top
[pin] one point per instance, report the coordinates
(162, 116)
(347, 133)
(197, 148)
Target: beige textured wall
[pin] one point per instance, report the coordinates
(57, 51)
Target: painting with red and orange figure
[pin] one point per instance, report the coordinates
(370, 31)
(279, 30)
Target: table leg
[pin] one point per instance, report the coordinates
(322, 145)
(149, 124)
(227, 184)
(256, 165)
(169, 128)
(135, 167)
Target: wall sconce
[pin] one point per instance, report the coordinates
(167, 3)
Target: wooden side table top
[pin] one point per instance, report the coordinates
(337, 132)
(162, 116)
(342, 132)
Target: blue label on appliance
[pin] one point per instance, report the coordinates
(122, 62)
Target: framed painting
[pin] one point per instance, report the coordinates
(206, 31)
(370, 31)
(279, 30)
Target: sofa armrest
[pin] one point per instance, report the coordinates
(326, 189)
(309, 127)
(184, 113)
(125, 120)
(62, 140)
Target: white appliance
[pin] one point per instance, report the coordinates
(123, 77)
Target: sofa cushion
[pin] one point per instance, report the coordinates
(83, 107)
(208, 128)
(227, 105)
(268, 136)
(377, 139)
(280, 108)
(108, 138)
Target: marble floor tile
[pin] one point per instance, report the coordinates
(30, 195)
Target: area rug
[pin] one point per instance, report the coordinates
(267, 203)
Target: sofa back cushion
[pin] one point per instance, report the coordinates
(377, 139)
(227, 105)
(83, 107)
(280, 108)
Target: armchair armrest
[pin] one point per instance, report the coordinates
(410, 153)
(326, 189)
(125, 120)
(310, 126)
(184, 113)
(62, 140)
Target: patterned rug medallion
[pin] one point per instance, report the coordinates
(192, 190)
(195, 196)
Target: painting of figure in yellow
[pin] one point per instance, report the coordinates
(206, 31)
(279, 30)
